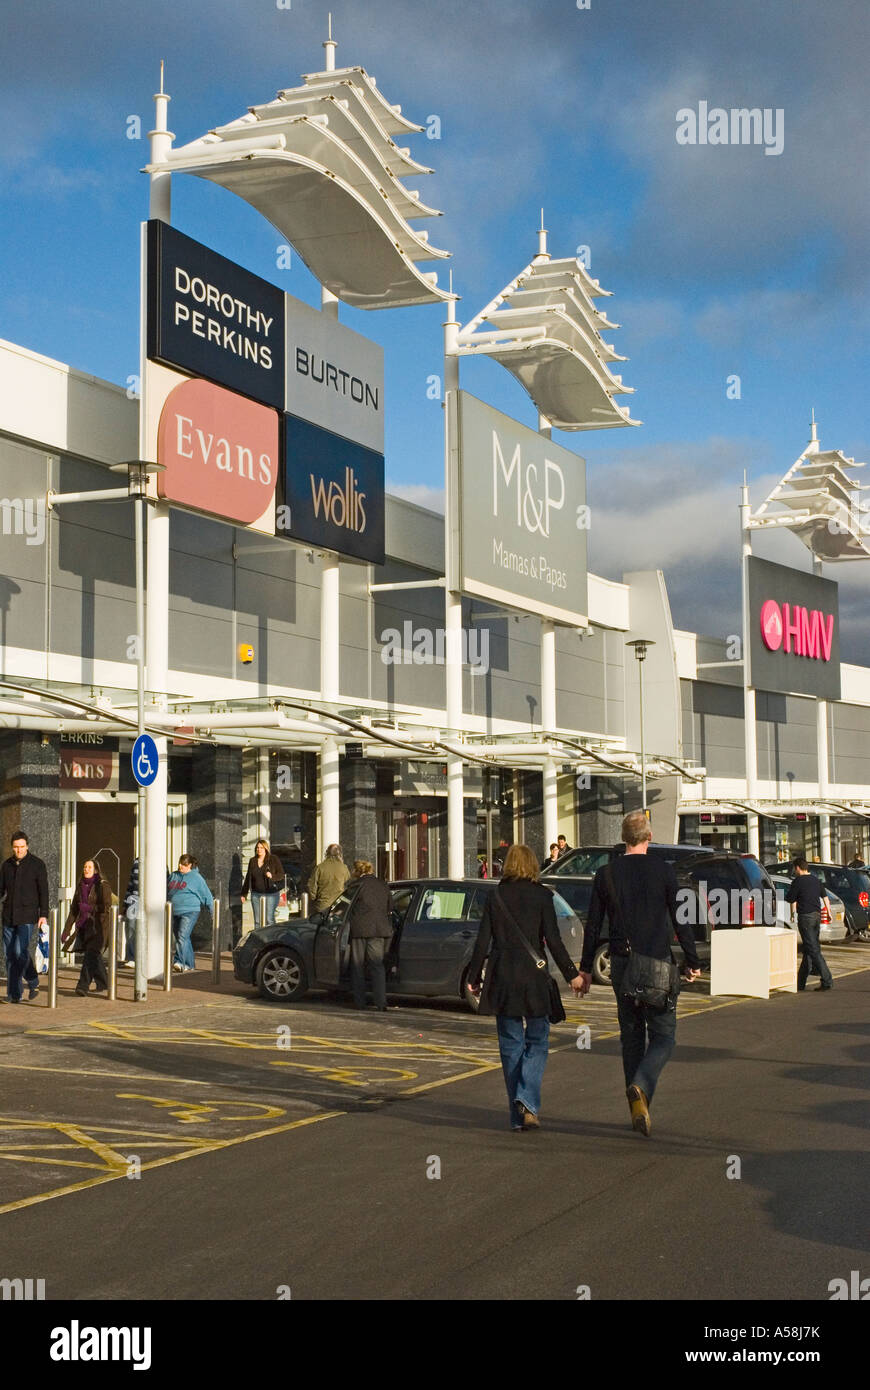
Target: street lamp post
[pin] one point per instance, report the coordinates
(640, 645)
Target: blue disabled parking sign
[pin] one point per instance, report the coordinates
(144, 760)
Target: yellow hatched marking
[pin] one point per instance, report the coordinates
(193, 1112)
(347, 1076)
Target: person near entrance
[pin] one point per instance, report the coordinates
(807, 897)
(518, 919)
(265, 872)
(188, 893)
(638, 896)
(327, 883)
(24, 890)
(371, 927)
(564, 847)
(551, 857)
(88, 921)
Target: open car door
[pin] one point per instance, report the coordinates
(332, 945)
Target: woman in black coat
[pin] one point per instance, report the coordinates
(514, 989)
(262, 881)
(89, 918)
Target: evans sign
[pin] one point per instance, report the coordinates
(523, 517)
(795, 631)
(333, 494)
(220, 452)
(208, 316)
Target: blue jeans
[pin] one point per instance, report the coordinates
(182, 926)
(523, 1058)
(648, 1036)
(271, 901)
(808, 926)
(19, 962)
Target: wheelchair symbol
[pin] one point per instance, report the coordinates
(144, 760)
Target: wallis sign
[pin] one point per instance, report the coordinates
(795, 631)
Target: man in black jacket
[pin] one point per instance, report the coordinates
(371, 927)
(638, 895)
(807, 898)
(24, 890)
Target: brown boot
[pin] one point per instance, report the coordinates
(638, 1105)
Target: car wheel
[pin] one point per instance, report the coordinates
(281, 976)
(468, 995)
(601, 965)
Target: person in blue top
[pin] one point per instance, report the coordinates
(188, 893)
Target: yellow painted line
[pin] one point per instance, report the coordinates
(161, 1162)
(344, 1075)
(448, 1080)
(115, 1075)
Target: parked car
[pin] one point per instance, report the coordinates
(435, 925)
(701, 873)
(852, 885)
(833, 926)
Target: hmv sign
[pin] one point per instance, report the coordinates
(794, 645)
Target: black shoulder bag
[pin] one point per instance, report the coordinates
(557, 1011)
(646, 980)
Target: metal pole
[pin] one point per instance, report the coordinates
(216, 942)
(749, 741)
(53, 950)
(303, 905)
(262, 921)
(140, 928)
(113, 954)
(642, 749)
(453, 604)
(822, 757)
(167, 948)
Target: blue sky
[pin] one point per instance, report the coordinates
(722, 260)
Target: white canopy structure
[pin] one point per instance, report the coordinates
(319, 162)
(820, 503)
(546, 330)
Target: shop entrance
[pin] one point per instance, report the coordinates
(106, 831)
(410, 841)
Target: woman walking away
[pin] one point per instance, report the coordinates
(88, 918)
(264, 874)
(188, 893)
(518, 920)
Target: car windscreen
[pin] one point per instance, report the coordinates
(754, 872)
(581, 861)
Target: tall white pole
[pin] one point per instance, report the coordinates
(548, 676)
(152, 867)
(749, 737)
(453, 605)
(642, 738)
(330, 648)
(822, 757)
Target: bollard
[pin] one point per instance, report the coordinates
(113, 954)
(53, 951)
(262, 921)
(303, 906)
(216, 942)
(167, 948)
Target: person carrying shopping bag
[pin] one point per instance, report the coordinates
(88, 919)
(188, 893)
(519, 920)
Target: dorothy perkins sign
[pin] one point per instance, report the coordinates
(213, 319)
(522, 515)
(794, 639)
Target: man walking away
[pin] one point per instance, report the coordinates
(638, 896)
(327, 883)
(24, 889)
(371, 927)
(806, 895)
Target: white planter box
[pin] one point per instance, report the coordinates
(753, 961)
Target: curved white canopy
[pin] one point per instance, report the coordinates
(821, 504)
(320, 164)
(546, 330)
